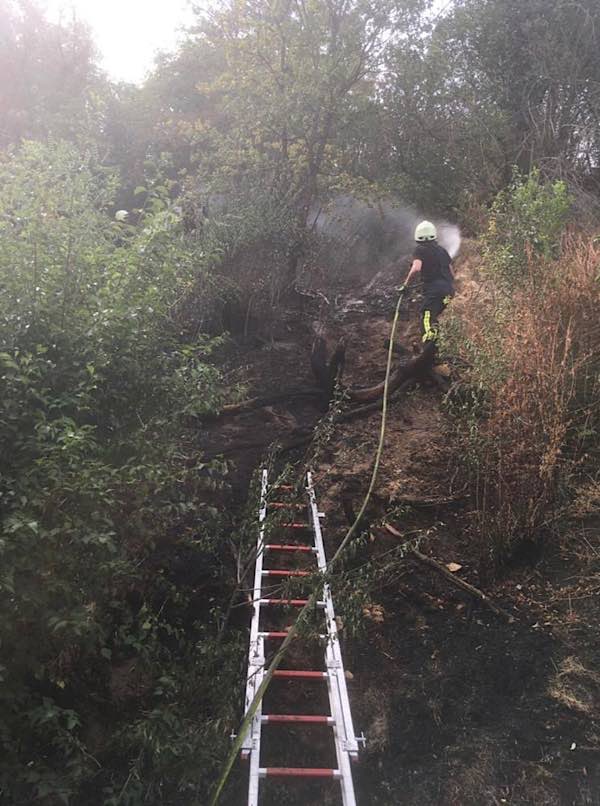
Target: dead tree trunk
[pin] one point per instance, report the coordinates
(327, 372)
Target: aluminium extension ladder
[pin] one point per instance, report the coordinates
(340, 718)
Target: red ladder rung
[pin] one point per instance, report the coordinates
(272, 572)
(279, 634)
(282, 487)
(288, 602)
(303, 674)
(291, 602)
(288, 547)
(306, 719)
(298, 772)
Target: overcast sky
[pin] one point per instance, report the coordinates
(128, 32)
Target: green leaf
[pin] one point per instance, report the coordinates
(8, 361)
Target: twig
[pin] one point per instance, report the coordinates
(459, 583)
(408, 500)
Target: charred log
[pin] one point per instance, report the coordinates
(361, 411)
(417, 369)
(254, 403)
(327, 373)
(397, 349)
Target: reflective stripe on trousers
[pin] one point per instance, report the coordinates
(430, 332)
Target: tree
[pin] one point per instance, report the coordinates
(294, 73)
(490, 85)
(96, 390)
(541, 62)
(49, 77)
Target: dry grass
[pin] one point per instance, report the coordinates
(587, 499)
(576, 687)
(537, 358)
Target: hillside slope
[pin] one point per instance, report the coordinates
(458, 705)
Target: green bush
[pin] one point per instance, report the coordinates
(526, 224)
(110, 552)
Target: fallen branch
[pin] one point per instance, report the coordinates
(254, 403)
(346, 416)
(297, 443)
(439, 380)
(414, 369)
(328, 373)
(409, 500)
(304, 436)
(459, 583)
(360, 411)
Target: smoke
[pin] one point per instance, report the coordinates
(449, 237)
(369, 238)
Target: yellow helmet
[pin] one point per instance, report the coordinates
(425, 231)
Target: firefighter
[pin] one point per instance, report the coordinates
(434, 264)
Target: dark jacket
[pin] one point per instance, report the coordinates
(435, 269)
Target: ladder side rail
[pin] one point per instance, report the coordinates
(343, 730)
(335, 666)
(254, 778)
(343, 757)
(333, 651)
(335, 670)
(256, 659)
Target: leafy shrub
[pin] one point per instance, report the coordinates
(255, 244)
(525, 227)
(110, 550)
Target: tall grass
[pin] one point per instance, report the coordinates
(530, 426)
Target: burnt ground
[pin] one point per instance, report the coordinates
(459, 706)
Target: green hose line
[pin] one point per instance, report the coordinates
(280, 654)
(384, 410)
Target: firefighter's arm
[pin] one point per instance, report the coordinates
(414, 269)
